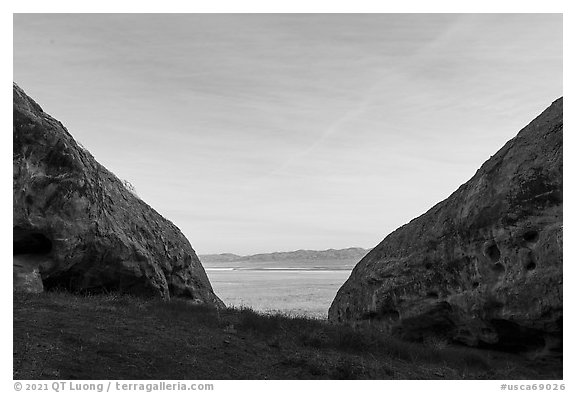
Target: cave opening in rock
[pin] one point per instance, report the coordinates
(493, 252)
(531, 236)
(30, 242)
(513, 337)
(84, 280)
(30, 249)
(531, 265)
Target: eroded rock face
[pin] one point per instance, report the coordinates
(76, 226)
(484, 266)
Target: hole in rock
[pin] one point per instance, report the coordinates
(493, 252)
(531, 265)
(84, 280)
(513, 337)
(475, 284)
(531, 236)
(432, 295)
(428, 265)
(30, 242)
(30, 249)
(528, 261)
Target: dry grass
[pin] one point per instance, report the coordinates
(111, 336)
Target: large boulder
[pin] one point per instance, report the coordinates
(484, 266)
(78, 227)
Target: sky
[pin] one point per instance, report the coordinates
(275, 132)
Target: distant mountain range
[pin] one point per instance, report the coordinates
(354, 253)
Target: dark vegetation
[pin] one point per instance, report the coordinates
(58, 335)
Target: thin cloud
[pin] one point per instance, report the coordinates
(320, 131)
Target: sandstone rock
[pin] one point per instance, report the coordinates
(76, 226)
(484, 266)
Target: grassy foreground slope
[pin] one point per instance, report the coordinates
(65, 336)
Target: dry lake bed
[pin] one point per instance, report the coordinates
(292, 287)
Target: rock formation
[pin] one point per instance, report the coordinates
(76, 226)
(484, 266)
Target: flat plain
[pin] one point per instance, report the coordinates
(293, 287)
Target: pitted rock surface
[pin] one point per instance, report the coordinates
(78, 227)
(484, 266)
